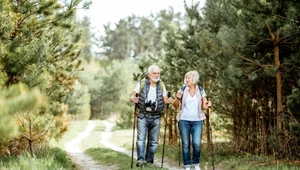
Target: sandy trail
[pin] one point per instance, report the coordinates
(85, 162)
(82, 160)
(105, 141)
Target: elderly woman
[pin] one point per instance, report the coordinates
(192, 100)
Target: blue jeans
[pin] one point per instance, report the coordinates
(187, 129)
(147, 126)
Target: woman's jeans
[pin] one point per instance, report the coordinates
(147, 126)
(193, 128)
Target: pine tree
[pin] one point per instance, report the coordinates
(234, 48)
(260, 41)
(15, 99)
(39, 48)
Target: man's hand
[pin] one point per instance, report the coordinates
(134, 98)
(169, 100)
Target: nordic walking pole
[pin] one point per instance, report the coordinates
(179, 153)
(134, 122)
(166, 124)
(212, 146)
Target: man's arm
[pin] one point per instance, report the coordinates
(134, 98)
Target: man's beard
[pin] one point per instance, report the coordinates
(155, 79)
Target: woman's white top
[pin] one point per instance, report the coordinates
(190, 110)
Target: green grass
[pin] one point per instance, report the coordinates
(125, 135)
(227, 159)
(44, 160)
(224, 158)
(73, 130)
(94, 140)
(119, 160)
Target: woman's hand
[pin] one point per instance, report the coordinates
(179, 94)
(206, 103)
(209, 103)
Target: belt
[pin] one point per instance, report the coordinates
(149, 115)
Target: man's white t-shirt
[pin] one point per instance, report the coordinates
(151, 93)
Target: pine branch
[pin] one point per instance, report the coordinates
(289, 64)
(285, 40)
(257, 43)
(36, 137)
(270, 32)
(282, 17)
(249, 60)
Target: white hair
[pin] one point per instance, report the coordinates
(150, 68)
(195, 76)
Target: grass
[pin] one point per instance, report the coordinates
(74, 129)
(44, 160)
(94, 140)
(119, 160)
(49, 159)
(224, 158)
(125, 135)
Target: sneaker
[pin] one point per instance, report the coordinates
(139, 164)
(187, 168)
(197, 168)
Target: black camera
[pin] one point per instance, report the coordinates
(150, 106)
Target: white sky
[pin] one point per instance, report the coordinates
(103, 11)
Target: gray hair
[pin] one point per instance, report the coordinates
(150, 68)
(195, 76)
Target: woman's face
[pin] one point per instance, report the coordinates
(189, 80)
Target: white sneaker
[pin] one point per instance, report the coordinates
(187, 168)
(197, 168)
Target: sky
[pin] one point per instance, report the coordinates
(103, 11)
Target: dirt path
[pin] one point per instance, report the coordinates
(83, 161)
(105, 141)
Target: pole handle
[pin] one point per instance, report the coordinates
(208, 99)
(135, 106)
(169, 95)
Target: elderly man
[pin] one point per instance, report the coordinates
(151, 98)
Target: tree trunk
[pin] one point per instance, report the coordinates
(279, 108)
(30, 141)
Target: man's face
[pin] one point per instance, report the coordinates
(155, 74)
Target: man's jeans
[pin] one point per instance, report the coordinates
(188, 128)
(147, 126)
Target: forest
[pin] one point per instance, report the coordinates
(247, 55)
